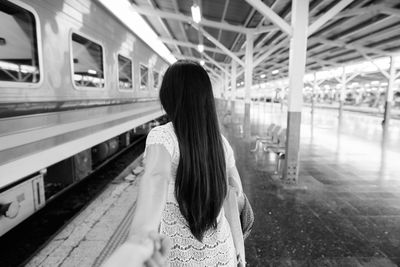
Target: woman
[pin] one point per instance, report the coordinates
(187, 162)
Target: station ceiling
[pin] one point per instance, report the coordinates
(363, 29)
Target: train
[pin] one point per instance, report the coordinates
(76, 86)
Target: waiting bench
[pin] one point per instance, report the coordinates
(274, 141)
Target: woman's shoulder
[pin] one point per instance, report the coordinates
(225, 142)
(162, 129)
(163, 135)
(163, 132)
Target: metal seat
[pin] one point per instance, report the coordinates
(279, 148)
(261, 141)
(277, 142)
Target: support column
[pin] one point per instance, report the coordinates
(226, 78)
(220, 88)
(297, 64)
(248, 74)
(222, 82)
(389, 93)
(314, 89)
(384, 149)
(233, 80)
(233, 85)
(342, 93)
(248, 79)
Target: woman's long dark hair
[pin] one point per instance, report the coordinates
(200, 185)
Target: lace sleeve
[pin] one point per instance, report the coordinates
(229, 155)
(160, 135)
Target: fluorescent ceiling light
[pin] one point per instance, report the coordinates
(275, 72)
(124, 11)
(262, 76)
(202, 62)
(196, 14)
(200, 48)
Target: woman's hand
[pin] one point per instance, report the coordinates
(162, 245)
(132, 254)
(141, 250)
(241, 261)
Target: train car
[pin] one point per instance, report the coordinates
(75, 84)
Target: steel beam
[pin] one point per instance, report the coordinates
(264, 56)
(213, 72)
(255, 50)
(357, 47)
(326, 63)
(262, 29)
(191, 45)
(213, 61)
(327, 16)
(391, 11)
(352, 77)
(384, 73)
(218, 44)
(222, 18)
(368, 10)
(261, 42)
(175, 4)
(163, 25)
(271, 15)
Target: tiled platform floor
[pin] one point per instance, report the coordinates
(349, 215)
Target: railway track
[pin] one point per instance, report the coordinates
(21, 243)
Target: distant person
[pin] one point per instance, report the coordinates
(187, 162)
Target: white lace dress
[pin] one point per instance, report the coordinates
(217, 248)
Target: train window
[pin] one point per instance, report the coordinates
(144, 77)
(88, 66)
(156, 81)
(124, 73)
(19, 59)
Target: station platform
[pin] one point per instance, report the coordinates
(91, 236)
(345, 211)
(395, 112)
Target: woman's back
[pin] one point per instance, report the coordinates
(216, 247)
